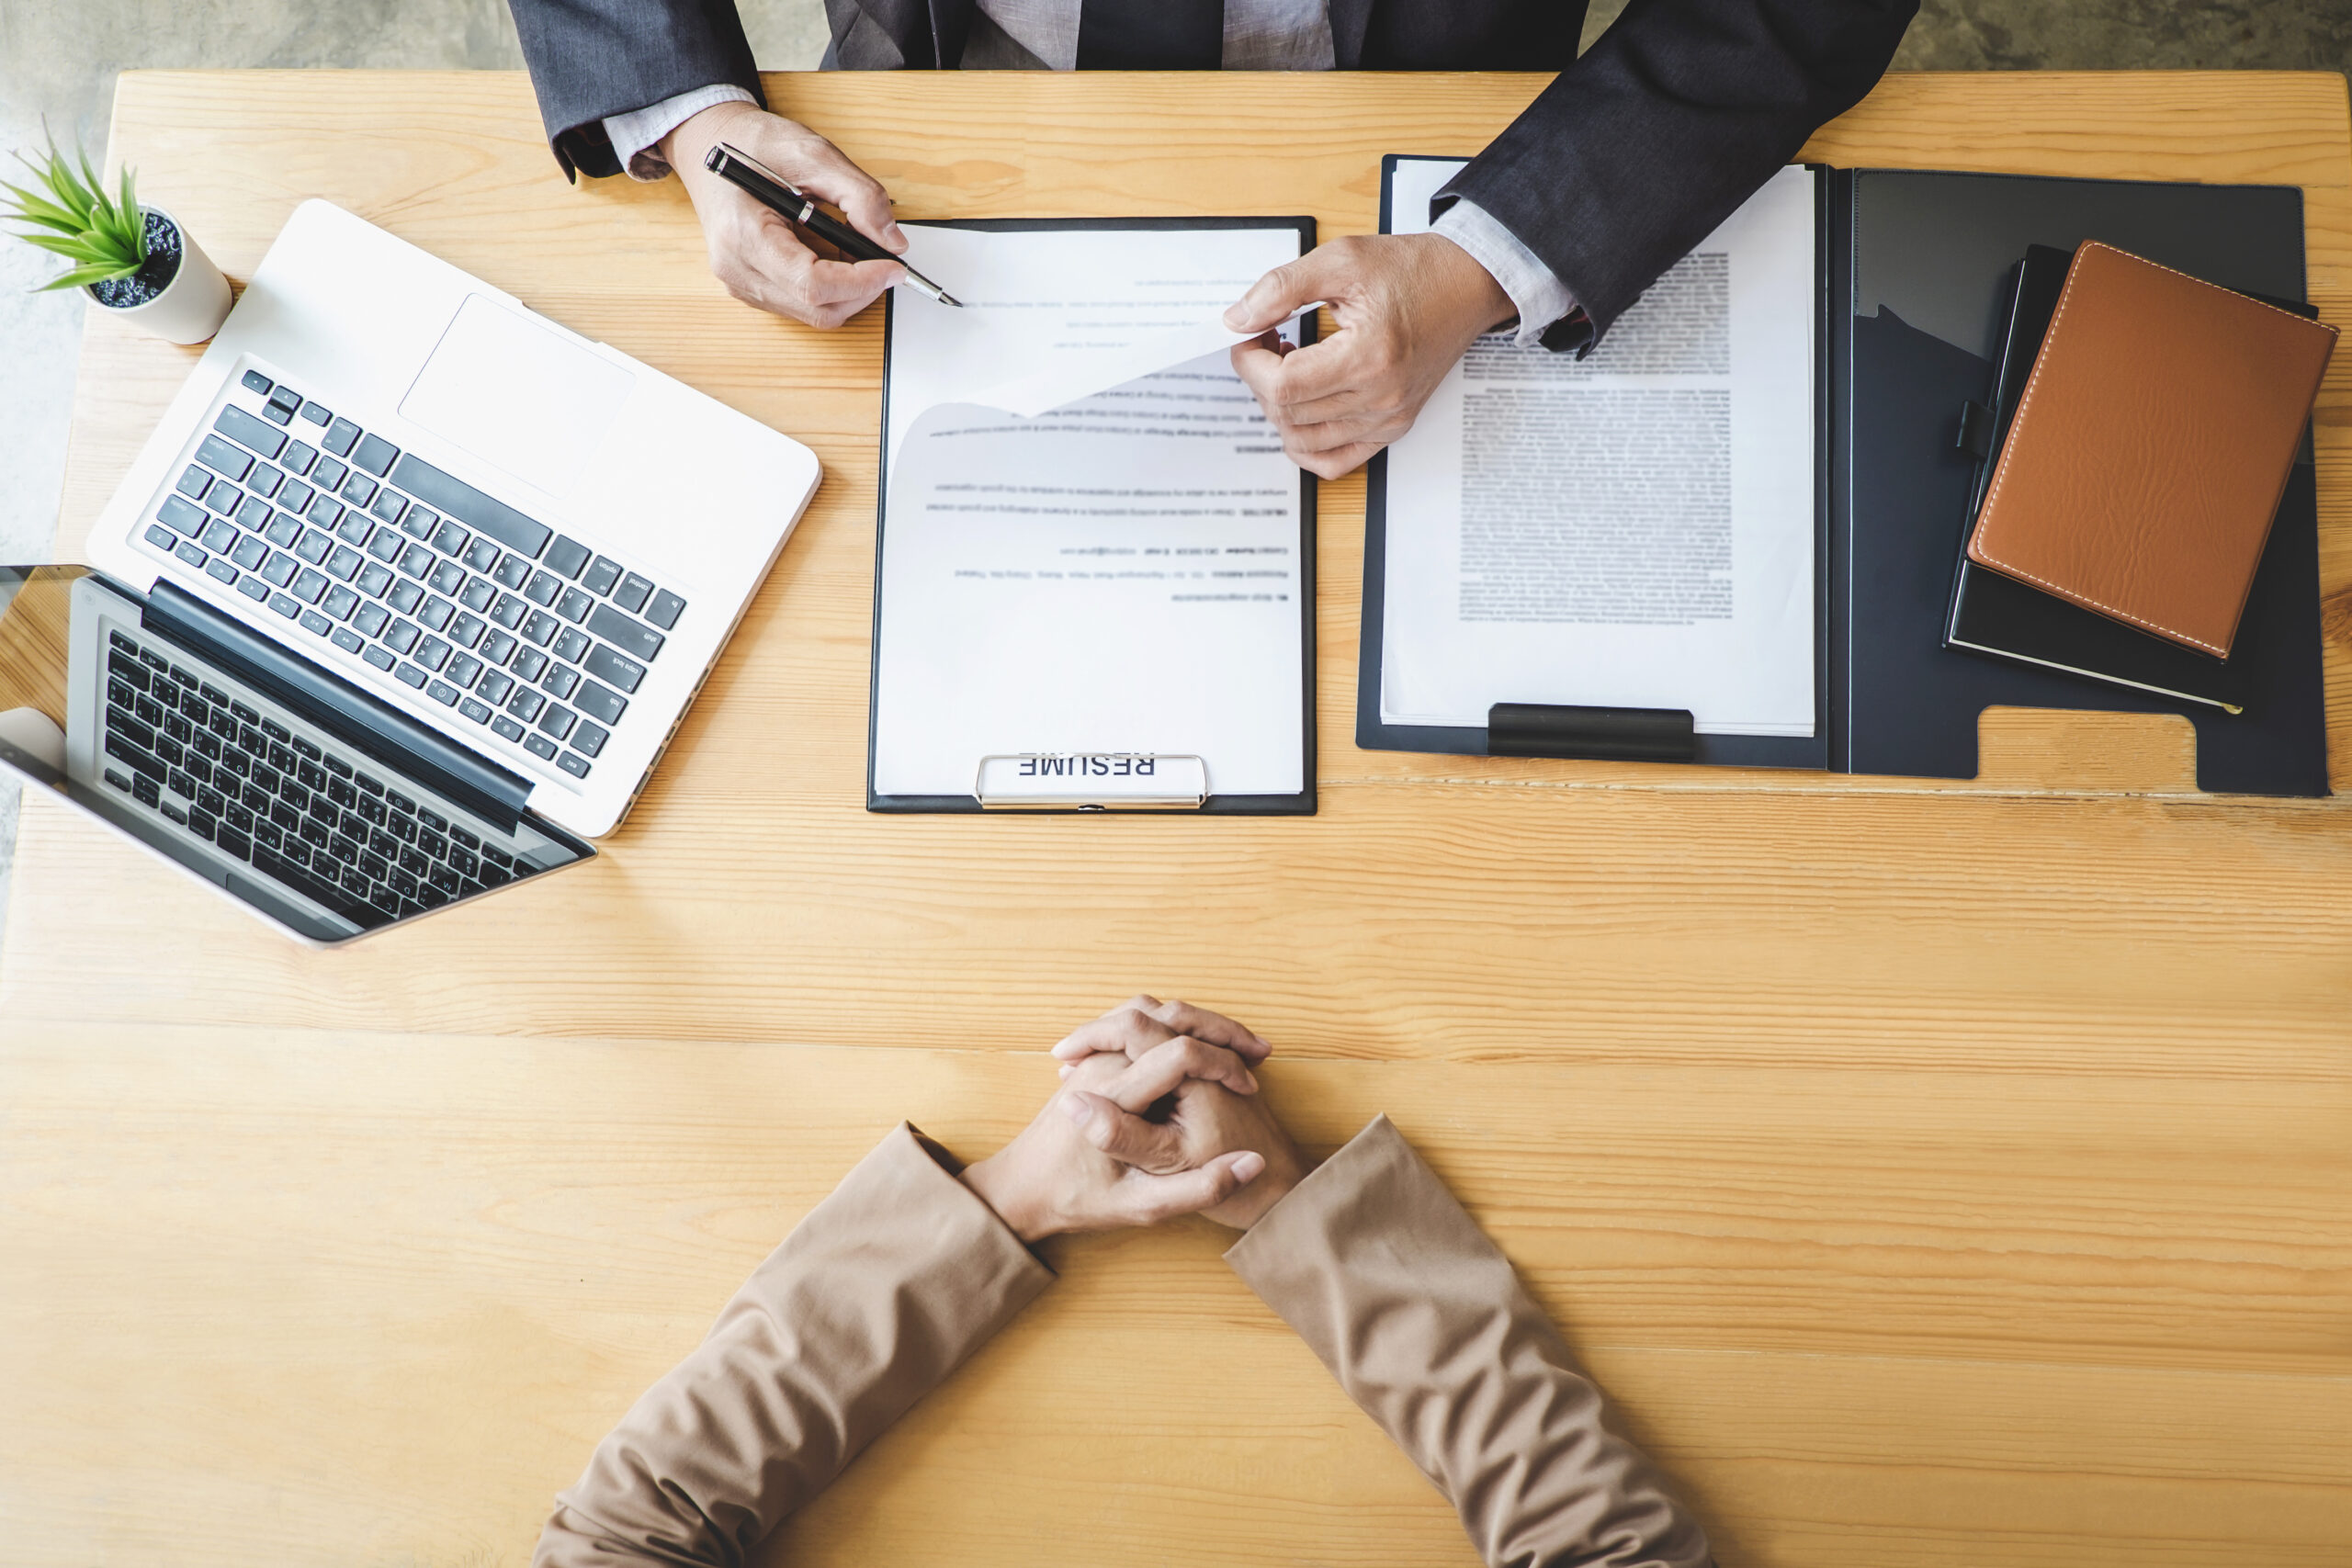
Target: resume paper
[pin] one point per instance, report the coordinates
(1633, 529)
(1091, 541)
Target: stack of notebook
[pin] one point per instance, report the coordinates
(2142, 428)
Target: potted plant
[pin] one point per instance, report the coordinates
(134, 261)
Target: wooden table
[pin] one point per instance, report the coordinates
(1936, 1174)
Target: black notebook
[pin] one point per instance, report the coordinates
(1995, 614)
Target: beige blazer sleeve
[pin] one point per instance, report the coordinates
(880, 1293)
(1420, 1318)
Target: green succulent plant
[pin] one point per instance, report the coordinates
(104, 237)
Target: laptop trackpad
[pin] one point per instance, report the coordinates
(518, 395)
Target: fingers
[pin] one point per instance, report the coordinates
(1258, 363)
(1405, 306)
(813, 163)
(762, 260)
(1337, 447)
(827, 175)
(1350, 407)
(1126, 1137)
(1338, 462)
(838, 290)
(1345, 368)
(1350, 387)
(1283, 292)
(1148, 1199)
(822, 301)
(764, 263)
(1164, 1067)
(1126, 1031)
(1334, 403)
(1142, 1023)
(1202, 1024)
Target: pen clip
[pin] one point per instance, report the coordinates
(761, 169)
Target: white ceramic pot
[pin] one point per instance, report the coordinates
(192, 305)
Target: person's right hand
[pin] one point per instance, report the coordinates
(1208, 1124)
(761, 258)
(1051, 1179)
(1199, 1126)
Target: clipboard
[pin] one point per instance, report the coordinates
(1592, 733)
(1911, 266)
(1010, 777)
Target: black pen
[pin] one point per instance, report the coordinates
(737, 168)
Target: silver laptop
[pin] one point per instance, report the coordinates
(298, 794)
(401, 480)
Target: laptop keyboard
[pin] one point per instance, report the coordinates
(529, 635)
(294, 806)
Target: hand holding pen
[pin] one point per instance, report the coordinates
(770, 265)
(800, 210)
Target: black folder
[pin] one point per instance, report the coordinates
(1915, 272)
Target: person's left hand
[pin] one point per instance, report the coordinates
(1203, 1122)
(1143, 1024)
(1209, 1113)
(1407, 305)
(1051, 1179)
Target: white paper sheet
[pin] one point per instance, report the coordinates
(1635, 530)
(1120, 574)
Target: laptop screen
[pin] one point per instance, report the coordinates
(327, 828)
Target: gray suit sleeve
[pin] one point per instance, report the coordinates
(1678, 114)
(591, 59)
(1396, 1289)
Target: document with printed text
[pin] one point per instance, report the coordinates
(1091, 542)
(1633, 529)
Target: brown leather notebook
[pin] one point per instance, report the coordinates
(2151, 446)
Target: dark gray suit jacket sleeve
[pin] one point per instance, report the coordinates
(1678, 114)
(593, 58)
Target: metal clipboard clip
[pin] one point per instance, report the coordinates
(1091, 781)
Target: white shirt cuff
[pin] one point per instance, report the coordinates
(1535, 288)
(635, 135)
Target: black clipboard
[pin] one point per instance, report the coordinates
(1912, 270)
(1599, 734)
(1302, 804)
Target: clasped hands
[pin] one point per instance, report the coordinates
(1157, 1115)
(1407, 305)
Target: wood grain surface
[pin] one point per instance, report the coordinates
(1936, 1174)
(35, 624)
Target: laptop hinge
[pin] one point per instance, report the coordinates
(332, 703)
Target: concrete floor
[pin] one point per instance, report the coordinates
(58, 60)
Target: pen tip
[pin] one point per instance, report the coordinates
(948, 299)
